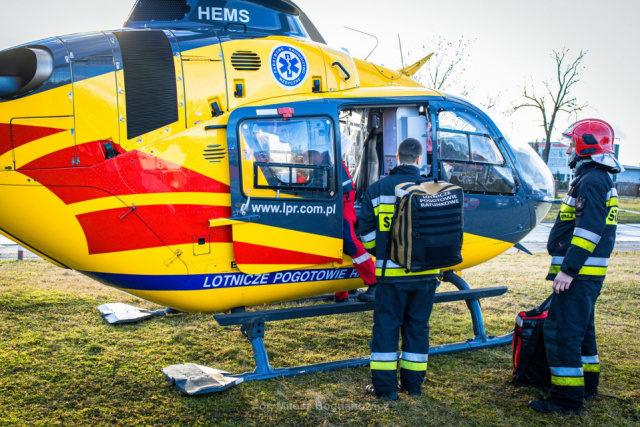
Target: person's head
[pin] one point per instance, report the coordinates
(409, 152)
(588, 138)
(315, 157)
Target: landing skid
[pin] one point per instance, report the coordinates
(117, 313)
(195, 379)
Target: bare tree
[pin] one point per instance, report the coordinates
(556, 96)
(446, 68)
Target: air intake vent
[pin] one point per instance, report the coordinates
(214, 153)
(245, 61)
(149, 81)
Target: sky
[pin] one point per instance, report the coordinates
(511, 43)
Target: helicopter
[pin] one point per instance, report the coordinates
(192, 157)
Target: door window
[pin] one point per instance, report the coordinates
(292, 158)
(469, 156)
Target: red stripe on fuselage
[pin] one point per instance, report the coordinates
(22, 134)
(118, 230)
(247, 253)
(129, 173)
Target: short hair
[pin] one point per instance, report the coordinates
(409, 151)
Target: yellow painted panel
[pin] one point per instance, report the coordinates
(51, 103)
(335, 76)
(205, 199)
(96, 109)
(186, 149)
(282, 238)
(478, 249)
(203, 80)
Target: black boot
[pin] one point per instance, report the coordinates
(413, 393)
(549, 407)
(371, 391)
(369, 295)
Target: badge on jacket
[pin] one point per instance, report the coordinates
(581, 203)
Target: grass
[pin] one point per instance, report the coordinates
(61, 364)
(623, 217)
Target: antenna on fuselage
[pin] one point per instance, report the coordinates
(401, 55)
(370, 35)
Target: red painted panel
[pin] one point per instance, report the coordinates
(106, 233)
(128, 173)
(91, 153)
(172, 225)
(78, 184)
(246, 253)
(145, 173)
(22, 134)
(179, 224)
(71, 195)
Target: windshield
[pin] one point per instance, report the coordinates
(533, 170)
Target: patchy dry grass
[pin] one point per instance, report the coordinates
(60, 364)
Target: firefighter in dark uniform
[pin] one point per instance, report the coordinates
(580, 244)
(403, 301)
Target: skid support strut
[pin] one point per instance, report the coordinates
(196, 379)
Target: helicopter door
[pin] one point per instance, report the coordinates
(94, 96)
(287, 206)
(470, 157)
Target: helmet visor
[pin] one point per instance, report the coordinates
(568, 133)
(567, 140)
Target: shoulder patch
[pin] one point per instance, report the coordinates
(581, 202)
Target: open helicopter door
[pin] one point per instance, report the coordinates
(286, 200)
(472, 154)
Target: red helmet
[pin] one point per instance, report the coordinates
(591, 136)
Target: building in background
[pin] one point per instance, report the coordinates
(559, 161)
(628, 182)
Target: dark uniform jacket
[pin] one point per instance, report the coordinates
(375, 217)
(584, 233)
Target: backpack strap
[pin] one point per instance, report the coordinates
(387, 250)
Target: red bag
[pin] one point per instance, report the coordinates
(530, 366)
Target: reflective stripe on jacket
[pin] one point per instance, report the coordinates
(584, 233)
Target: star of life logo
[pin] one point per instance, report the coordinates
(289, 67)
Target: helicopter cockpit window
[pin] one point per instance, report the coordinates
(470, 157)
(292, 158)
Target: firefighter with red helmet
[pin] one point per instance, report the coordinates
(580, 244)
